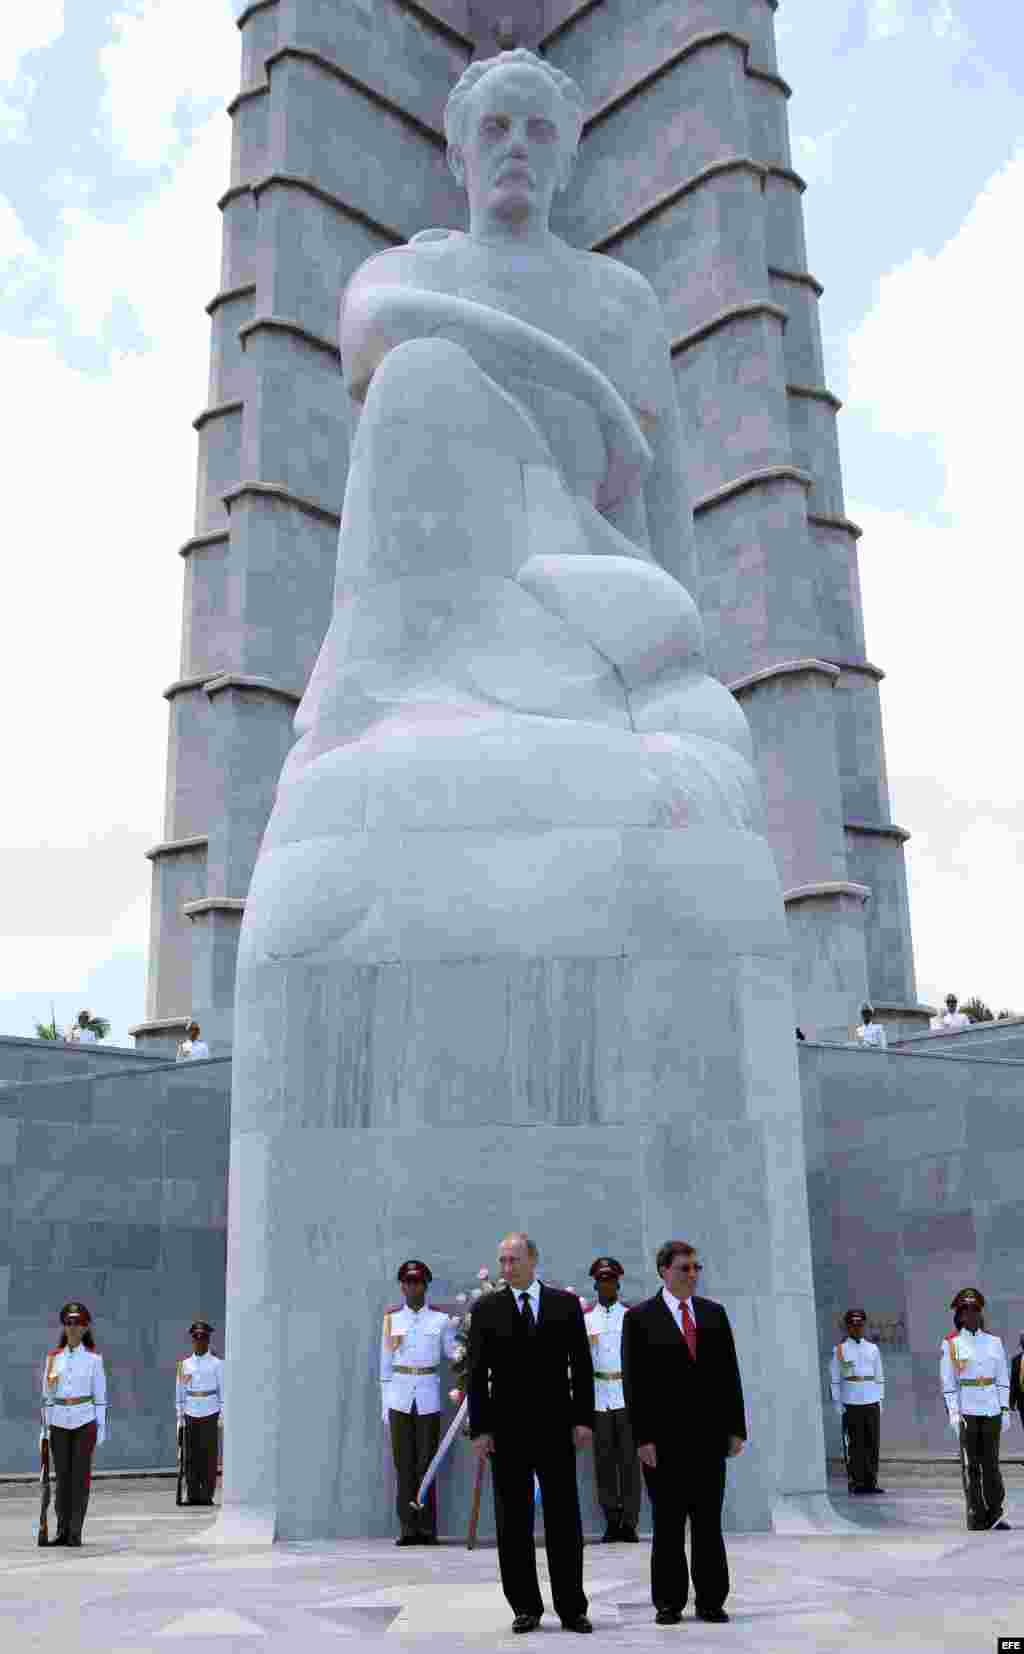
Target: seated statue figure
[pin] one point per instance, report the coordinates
(510, 743)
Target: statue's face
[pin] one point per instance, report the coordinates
(516, 148)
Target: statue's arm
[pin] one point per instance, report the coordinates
(378, 313)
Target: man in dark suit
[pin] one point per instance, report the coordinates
(531, 1404)
(1016, 1398)
(685, 1404)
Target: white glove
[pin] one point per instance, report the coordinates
(954, 1423)
(1005, 1421)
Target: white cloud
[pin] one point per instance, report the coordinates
(25, 28)
(166, 58)
(941, 356)
(887, 18)
(105, 468)
(946, 25)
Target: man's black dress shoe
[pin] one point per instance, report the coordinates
(874, 1490)
(669, 1616)
(526, 1622)
(612, 1534)
(629, 1536)
(714, 1616)
(61, 1539)
(1005, 1526)
(76, 1539)
(580, 1624)
(429, 1539)
(407, 1539)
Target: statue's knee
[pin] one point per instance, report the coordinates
(416, 371)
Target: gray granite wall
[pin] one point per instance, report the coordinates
(113, 1189)
(916, 1188)
(25, 1060)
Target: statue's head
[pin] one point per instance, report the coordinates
(513, 125)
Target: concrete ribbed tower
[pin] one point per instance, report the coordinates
(685, 174)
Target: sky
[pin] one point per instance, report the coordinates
(907, 122)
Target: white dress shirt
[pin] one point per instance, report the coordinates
(856, 1373)
(192, 1050)
(414, 1338)
(604, 1329)
(533, 1293)
(83, 1036)
(975, 1355)
(949, 1021)
(78, 1372)
(199, 1387)
(872, 1033)
(676, 1306)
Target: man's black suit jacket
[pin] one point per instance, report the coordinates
(672, 1400)
(529, 1384)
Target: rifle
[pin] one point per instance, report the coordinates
(43, 1530)
(474, 1509)
(181, 1459)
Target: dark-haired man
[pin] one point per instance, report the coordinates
(199, 1405)
(685, 1402)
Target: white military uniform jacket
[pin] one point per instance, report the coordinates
(75, 1373)
(199, 1387)
(856, 1373)
(416, 1339)
(975, 1377)
(604, 1329)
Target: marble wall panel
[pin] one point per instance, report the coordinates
(730, 391)
(251, 122)
(350, 146)
(620, 40)
(259, 39)
(312, 249)
(229, 372)
(689, 117)
(296, 427)
(387, 45)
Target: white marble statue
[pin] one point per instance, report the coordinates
(515, 948)
(511, 645)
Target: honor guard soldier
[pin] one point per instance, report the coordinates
(858, 1391)
(616, 1466)
(976, 1390)
(199, 1406)
(74, 1418)
(412, 1343)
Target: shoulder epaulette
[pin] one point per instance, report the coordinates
(387, 1324)
(179, 1375)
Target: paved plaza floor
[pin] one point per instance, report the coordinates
(907, 1578)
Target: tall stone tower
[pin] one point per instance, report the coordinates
(685, 174)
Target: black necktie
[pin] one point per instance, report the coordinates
(528, 1320)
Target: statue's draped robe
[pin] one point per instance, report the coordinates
(501, 660)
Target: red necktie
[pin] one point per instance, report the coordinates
(689, 1329)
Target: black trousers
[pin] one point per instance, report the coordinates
(513, 1466)
(616, 1468)
(984, 1493)
(201, 1459)
(414, 1441)
(682, 1490)
(862, 1428)
(71, 1457)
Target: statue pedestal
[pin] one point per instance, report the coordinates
(603, 1102)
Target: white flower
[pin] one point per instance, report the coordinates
(483, 1274)
(458, 1352)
